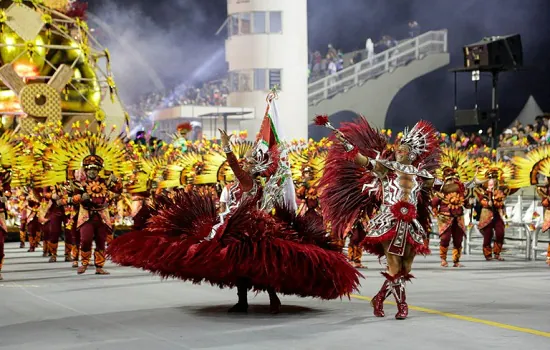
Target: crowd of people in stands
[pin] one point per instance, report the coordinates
(332, 62)
(210, 94)
(518, 135)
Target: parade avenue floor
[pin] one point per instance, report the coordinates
(485, 305)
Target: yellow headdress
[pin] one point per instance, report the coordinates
(536, 161)
(309, 157)
(458, 162)
(149, 169)
(500, 170)
(67, 154)
(13, 157)
(217, 169)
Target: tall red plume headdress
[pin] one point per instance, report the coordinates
(184, 127)
(421, 139)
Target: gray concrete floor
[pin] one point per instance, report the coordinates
(485, 305)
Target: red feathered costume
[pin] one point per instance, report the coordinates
(362, 173)
(248, 248)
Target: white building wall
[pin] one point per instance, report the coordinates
(285, 50)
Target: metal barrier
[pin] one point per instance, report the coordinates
(409, 50)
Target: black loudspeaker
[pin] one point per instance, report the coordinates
(495, 51)
(470, 117)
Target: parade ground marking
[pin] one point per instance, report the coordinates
(466, 318)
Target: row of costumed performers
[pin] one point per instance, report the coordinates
(264, 215)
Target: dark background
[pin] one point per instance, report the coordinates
(177, 38)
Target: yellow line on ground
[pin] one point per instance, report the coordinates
(466, 318)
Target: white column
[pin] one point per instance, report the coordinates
(260, 47)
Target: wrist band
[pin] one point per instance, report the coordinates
(227, 149)
(348, 146)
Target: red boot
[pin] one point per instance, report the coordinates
(398, 291)
(377, 302)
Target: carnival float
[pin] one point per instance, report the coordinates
(52, 68)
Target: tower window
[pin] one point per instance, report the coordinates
(259, 22)
(260, 79)
(245, 23)
(275, 78)
(275, 22)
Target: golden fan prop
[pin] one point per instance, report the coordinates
(52, 68)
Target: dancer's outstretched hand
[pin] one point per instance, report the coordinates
(224, 138)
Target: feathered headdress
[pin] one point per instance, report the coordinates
(308, 157)
(501, 171)
(150, 168)
(185, 168)
(14, 157)
(216, 165)
(526, 168)
(186, 126)
(457, 163)
(67, 155)
(422, 140)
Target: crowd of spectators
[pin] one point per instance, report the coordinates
(516, 136)
(320, 66)
(210, 94)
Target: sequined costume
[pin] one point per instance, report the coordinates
(452, 196)
(364, 173)
(492, 195)
(247, 246)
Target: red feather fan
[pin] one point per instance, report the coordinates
(342, 197)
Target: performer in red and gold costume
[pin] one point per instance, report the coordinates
(361, 174)
(260, 243)
(453, 194)
(30, 218)
(94, 222)
(94, 164)
(54, 219)
(533, 169)
(492, 195)
(5, 179)
(13, 165)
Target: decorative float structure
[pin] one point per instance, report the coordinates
(52, 69)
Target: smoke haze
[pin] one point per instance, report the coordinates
(158, 44)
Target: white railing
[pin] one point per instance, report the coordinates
(413, 49)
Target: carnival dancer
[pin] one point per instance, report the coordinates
(362, 173)
(30, 219)
(453, 193)
(53, 219)
(94, 222)
(12, 167)
(180, 141)
(104, 161)
(491, 194)
(356, 236)
(5, 178)
(533, 169)
(250, 247)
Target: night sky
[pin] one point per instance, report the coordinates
(191, 25)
